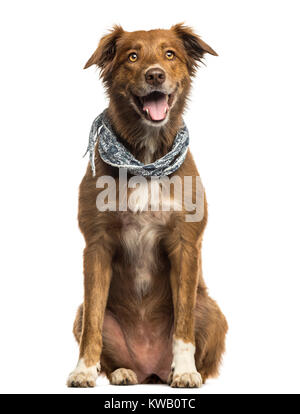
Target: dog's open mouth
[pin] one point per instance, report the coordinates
(154, 106)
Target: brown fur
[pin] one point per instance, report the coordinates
(125, 329)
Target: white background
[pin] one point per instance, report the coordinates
(244, 126)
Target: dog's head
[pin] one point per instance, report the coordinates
(149, 72)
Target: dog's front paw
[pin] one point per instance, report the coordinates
(81, 379)
(83, 376)
(183, 370)
(185, 380)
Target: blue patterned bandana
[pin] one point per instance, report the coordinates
(114, 153)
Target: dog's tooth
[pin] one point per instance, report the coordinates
(147, 111)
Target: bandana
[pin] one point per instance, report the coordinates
(114, 153)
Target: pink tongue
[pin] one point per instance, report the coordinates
(157, 107)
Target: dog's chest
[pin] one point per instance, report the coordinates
(142, 228)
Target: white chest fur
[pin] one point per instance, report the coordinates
(153, 195)
(142, 230)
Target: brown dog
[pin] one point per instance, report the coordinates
(146, 315)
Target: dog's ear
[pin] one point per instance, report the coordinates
(194, 46)
(105, 52)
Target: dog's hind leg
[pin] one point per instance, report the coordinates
(210, 332)
(116, 361)
(116, 376)
(77, 326)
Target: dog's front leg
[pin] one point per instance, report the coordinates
(184, 260)
(97, 276)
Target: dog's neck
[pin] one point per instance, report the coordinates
(146, 143)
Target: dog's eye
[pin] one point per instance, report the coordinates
(133, 57)
(170, 55)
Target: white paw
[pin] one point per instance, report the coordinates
(184, 373)
(83, 376)
(123, 376)
(186, 380)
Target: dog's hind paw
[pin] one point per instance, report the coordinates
(186, 380)
(123, 376)
(83, 376)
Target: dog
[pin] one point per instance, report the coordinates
(146, 316)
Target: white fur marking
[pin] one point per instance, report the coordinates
(139, 237)
(139, 197)
(141, 230)
(152, 195)
(183, 357)
(82, 373)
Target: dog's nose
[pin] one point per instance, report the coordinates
(155, 76)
